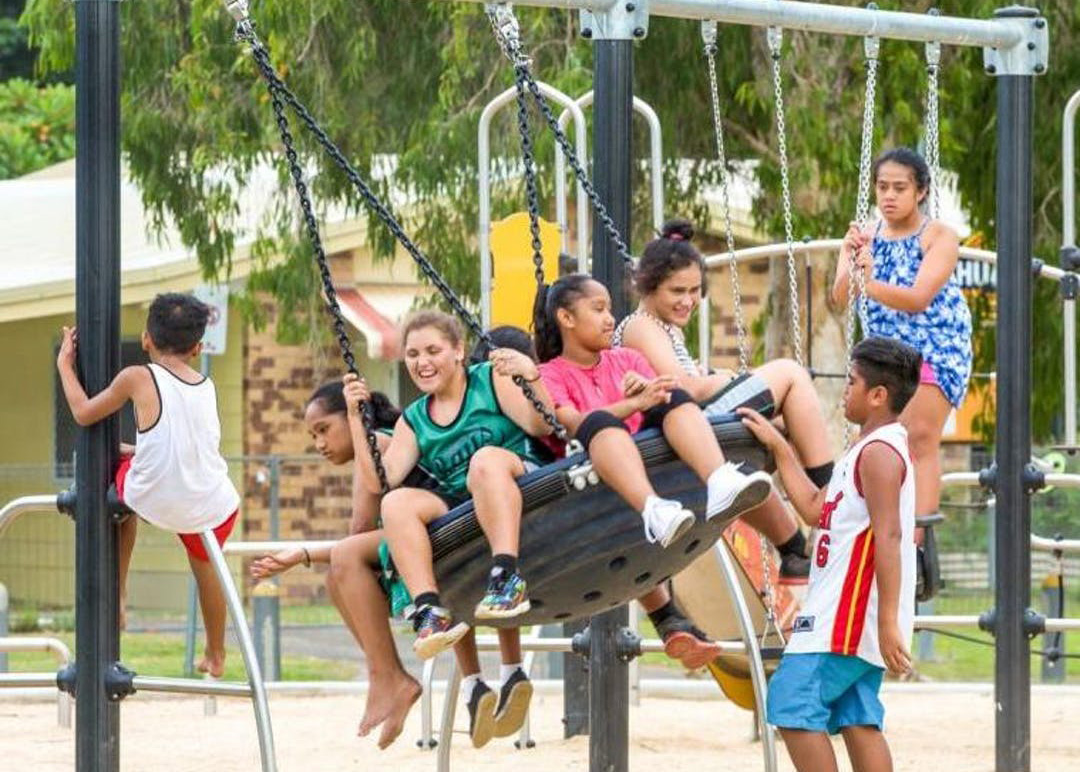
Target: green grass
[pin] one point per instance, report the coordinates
(163, 655)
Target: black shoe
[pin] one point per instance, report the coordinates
(481, 715)
(794, 569)
(514, 698)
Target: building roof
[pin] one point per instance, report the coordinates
(37, 262)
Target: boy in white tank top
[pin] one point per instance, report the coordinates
(176, 479)
(859, 612)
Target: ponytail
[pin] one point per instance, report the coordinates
(549, 299)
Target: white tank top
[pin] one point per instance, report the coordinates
(178, 480)
(840, 613)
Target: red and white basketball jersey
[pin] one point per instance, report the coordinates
(840, 613)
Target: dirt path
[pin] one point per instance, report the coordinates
(936, 731)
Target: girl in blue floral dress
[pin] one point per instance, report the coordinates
(907, 260)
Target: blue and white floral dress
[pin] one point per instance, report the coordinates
(941, 333)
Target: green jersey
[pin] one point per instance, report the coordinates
(445, 451)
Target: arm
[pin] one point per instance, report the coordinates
(400, 456)
(855, 240)
(88, 410)
(806, 497)
(280, 562)
(365, 504)
(941, 252)
(508, 363)
(881, 473)
(653, 343)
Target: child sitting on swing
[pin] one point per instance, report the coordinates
(604, 395)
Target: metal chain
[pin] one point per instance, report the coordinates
(767, 593)
(871, 48)
(709, 33)
(505, 25)
(775, 41)
(332, 305)
(933, 148)
(529, 165)
(245, 31)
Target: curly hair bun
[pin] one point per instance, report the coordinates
(677, 229)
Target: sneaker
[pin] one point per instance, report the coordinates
(731, 492)
(665, 520)
(686, 643)
(435, 631)
(506, 596)
(481, 715)
(794, 569)
(514, 697)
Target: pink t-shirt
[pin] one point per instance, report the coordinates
(591, 388)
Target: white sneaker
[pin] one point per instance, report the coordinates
(665, 520)
(731, 492)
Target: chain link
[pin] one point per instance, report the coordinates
(725, 189)
(768, 595)
(933, 149)
(280, 92)
(775, 40)
(529, 164)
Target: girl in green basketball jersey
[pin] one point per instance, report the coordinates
(472, 432)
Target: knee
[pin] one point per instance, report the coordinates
(395, 508)
(487, 466)
(923, 437)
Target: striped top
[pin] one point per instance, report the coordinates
(840, 614)
(674, 333)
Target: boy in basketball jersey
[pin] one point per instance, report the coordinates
(859, 612)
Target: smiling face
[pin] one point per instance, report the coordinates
(431, 358)
(588, 321)
(330, 432)
(677, 296)
(896, 191)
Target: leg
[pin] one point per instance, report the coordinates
(616, 460)
(867, 749)
(479, 698)
(496, 497)
(690, 436)
(809, 751)
(510, 645)
(797, 401)
(214, 614)
(362, 604)
(682, 640)
(773, 520)
(406, 513)
(128, 531)
(924, 418)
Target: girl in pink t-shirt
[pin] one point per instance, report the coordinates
(603, 395)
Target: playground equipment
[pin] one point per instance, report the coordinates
(1016, 49)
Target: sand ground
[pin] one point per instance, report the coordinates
(942, 730)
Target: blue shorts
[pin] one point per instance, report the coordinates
(825, 693)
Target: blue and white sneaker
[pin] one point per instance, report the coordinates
(507, 596)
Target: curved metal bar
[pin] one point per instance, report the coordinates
(247, 649)
(16, 508)
(64, 701)
(750, 642)
(446, 729)
(483, 132)
(656, 171)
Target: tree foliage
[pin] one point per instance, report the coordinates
(37, 126)
(409, 79)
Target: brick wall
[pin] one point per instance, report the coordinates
(314, 497)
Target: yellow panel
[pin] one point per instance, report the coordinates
(514, 283)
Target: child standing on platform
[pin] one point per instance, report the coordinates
(859, 612)
(177, 478)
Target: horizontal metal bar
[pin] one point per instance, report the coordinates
(944, 622)
(249, 548)
(1068, 546)
(818, 17)
(24, 680)
(819, 247)
(971, 479)
(192, 686)
(648, 645)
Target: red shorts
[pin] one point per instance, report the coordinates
(192, 541)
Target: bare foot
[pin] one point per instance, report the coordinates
(212, 664)
(406, 695)
(389, 699)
